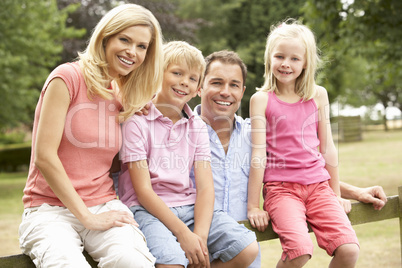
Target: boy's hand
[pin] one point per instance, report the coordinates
(258, 218)
(346, 204)
(195, 249)
(144, 110)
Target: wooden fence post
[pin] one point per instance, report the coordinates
(400, 217)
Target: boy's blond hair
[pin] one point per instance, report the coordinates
(305, 83)
(182, 52)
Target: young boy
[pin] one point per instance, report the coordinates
(159, 150)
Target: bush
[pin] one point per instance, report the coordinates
(15, 157)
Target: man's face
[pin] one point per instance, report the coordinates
(221, 92)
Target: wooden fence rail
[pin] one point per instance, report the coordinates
(361, 213)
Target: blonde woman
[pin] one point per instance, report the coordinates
(294, 155)
(69, 200)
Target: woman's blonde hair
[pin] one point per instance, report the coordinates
(305, 84)
(138, 87)
(183, 52)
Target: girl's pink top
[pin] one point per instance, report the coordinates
(292, 142)
(90, 140)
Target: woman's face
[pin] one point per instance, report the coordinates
(126, 50)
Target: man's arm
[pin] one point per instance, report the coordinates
(374, 194)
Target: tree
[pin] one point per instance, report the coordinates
(31, 32)
(369, 30)
(242, 26)
(90, 12)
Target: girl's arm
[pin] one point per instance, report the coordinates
(50, 129)
(258, 104)
(141, 181)
(327, 146)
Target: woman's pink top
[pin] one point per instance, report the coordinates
(90, 140)
(292, 142)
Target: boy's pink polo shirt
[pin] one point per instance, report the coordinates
(170, 151)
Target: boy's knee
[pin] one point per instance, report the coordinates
(247, 255)
(253, 250)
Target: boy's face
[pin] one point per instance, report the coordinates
(179, 84)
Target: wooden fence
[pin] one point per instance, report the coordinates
(347, 128)
(361, 213)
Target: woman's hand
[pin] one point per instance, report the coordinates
(109, 219)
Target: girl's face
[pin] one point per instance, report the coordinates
(126, 50)
(288, 59)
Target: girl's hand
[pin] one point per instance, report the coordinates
(258, 218)
(195, 249)
(109, 219)
(346, 204)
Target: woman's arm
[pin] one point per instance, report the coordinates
(50, 129)
(258, 104)
(141, 181)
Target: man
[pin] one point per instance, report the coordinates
(230, 141)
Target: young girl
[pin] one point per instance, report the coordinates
(294, 155)
(69, 201)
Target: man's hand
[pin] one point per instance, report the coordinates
(258, 218)
(374, 195)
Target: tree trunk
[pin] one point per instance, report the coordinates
(384, 120)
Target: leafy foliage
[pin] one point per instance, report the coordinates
(365, 32)
(31, 32)
(242, 26)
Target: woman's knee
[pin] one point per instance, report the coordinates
(127, 259)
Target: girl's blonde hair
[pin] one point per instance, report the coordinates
(181, 51)
(305, 84)
(138, 87)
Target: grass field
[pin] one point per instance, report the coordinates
(377, 160)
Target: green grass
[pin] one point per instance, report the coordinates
(11, 186)
(11, 208)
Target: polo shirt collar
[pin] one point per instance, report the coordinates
(154, 113)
